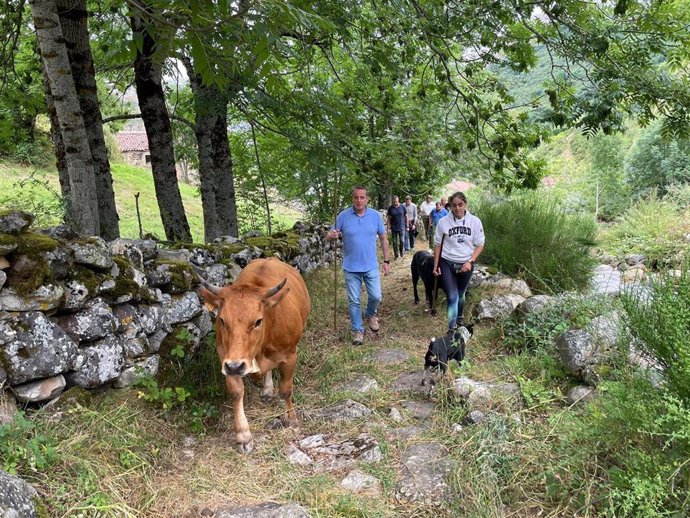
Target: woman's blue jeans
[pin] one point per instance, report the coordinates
(353, 284)
(455, 286)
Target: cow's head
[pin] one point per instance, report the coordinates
(241, 324)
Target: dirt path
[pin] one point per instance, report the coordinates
(370, 441)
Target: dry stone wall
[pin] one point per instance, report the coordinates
(80, 311)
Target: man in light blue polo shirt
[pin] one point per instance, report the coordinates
(358, 226)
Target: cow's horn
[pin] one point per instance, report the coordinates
(275, 289)
(210, 287)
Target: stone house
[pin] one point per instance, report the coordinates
(134, 147)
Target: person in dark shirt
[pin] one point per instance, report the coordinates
(397, 223)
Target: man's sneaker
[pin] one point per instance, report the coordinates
(358, 339)
(373, 323)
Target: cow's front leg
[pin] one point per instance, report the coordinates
(267, 392)
(243, 436)
(287, 372)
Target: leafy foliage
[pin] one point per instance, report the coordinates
(657, 162)
(22, 444)
(531, 238)
(21, 90)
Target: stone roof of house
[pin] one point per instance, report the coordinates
(132, 141)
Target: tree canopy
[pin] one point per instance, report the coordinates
(400, 95)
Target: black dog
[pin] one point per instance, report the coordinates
(423, 266)
(446, 348)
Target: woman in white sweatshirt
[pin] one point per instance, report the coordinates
(462, 235)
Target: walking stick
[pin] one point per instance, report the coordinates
(434, 294)
(335, 257)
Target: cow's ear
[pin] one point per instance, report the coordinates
(275, 299)
(211, 300)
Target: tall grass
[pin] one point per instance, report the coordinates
(530, 237)
(659, 322)
(654, 227)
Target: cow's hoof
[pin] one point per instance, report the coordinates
(434, 313)
(246, 447)
(290, 423)
(266, 398)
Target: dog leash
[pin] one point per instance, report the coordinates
(434, 294)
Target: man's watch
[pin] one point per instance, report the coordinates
(471, 261)
(387, 261)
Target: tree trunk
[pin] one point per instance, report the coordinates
(148, 81)
(74, 22)
(83, 203)
(58, 146)
(202, 131)
(226, 202)
(215, 163)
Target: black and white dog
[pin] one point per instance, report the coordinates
(445, 348)
(422, 266)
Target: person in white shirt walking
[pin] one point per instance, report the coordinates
(411, 223)
(425, 209)
(462, 236)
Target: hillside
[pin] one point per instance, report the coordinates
(37, 190)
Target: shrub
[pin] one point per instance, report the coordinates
(654, 227)
(637, 443)
(659, 322)
(531, 238)
(657, 162)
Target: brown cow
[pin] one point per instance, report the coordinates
(259, 320)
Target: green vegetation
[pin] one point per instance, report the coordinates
(654, 227)
(532, 238)
(622, 455)
(37, 191)
(660, 321)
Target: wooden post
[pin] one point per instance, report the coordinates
(335, 257)
(136, 200)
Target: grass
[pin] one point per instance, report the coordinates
(534, 239)
(37, 190)
(654, 227)
(119, 455)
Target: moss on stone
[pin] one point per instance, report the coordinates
(182, 272)
(28, 280)
(292, 239)
(262, 242)
(122, 263)
(124, 283)
(75, 396)
(186, 246)
(227, 250)
(124, 286)
(88, 278)
(32, 243)
(8, 240)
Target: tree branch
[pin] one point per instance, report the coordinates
(127, 116)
